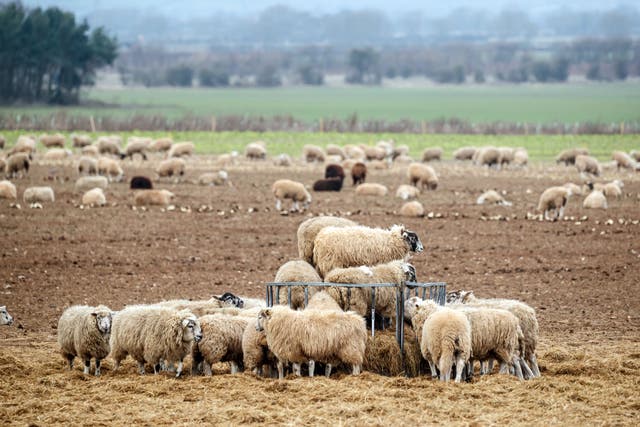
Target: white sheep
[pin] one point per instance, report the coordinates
(507, 155)
(57, 154)
(153, 197)
(256, 353)
(372, 189)
(109, 145)
(137, 146)
(181, 149)
(313, 153)
(340, 247)
(412, 209)
(8, 190)
(354, 152)
(464, 153)
(38, 195)
(161, 144)
(526, 316)
(87, 166)
(255, 151)
(406, 192)
(56, 140)
(336, 150)
(323, 301)
(214, 178)
(171, 167)
(359, 299)
(568, 156)
(487, 156)
(309, 229)
(17, 165)
(375, 153)
(83, 332)
(287, 189)
(90, 150)
(80, 140)
(5, 317)
(86, 183)
(444, 336)
(110, 168)
(216, 304)
(492, 197)
(554, 198)
(611, 189)
(227, 159)
(319, 335)
(221, 342)
(296, 271)
(595, 200)
(575, 188)
(24, 144)
(282, 160)
(624, 160)
(152, 334)
(424, 175)
(432, 153)
(94, 197)
(520, 157)
(588, 165)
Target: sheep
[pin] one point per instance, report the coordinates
(38, 195)
(319, 335)
(313, 153)
(378, 165)
(554, 198)
(358, 173)
(109, 145)
(57, 154)
(171, 167)
(110, 168)
(18, 165)
(256, 353)
(432, 153)
(3, 141)
(334, 171)
(246, 303)
(255, 151)
(400, 151)
(5, 317)
(153, 197)
(8, 190)
(323, 301)
(152, 334)
(507, 155)
(372, 189)
(444, 336)
(84, 332)
(492, 197)
(335, 150)
(161, 144)
(359, 299)
(575, 189)
(424, 175)
(49, 141)
(309, 229)
(487, 156)
(282, 160)
(227, 159)
(24, 144)
(200, 308)
(296, 271)
(3, 163)
(90, 150)
(354, 152)
(340, 247)
(221, 342)
(86, 183)
(624, 160)
(635, 154)
(94, 197)
(214, 178)
(464, 153)
(526, 316)
(588, 165)
(387, 146)
(80, 140)
(568, 156)
(403, 160)
(87, 166)
(331, 184)
(406, 192)
(595, 200)
(287, 189)
(613, 188)
(181, 149)
(137, 146)
(413, 209)
(520, 157)
(374, 153)
(140, 183)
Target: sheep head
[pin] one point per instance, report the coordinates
(412, 239)
(103, 317)
(191, 330)
(5, 317)
(460, 296)
(263, 317)
(230, 300)
(409, 272)
(411, 307)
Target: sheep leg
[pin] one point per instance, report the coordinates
(206, 368)
(445, 368)
(356, 370)
(295, 207)
(297, 369)
(141, 368)
(534, 365)
(327, 370)
(196, 368)
(87, 366)
(312, 367)
(526, 371)
(504, 368)
(434, 371)
(280, 370)
(69, 358)
(561, 212)
(484, 368)
(179, 370)
(515, 362)
(490, 366)
(234, 367)
(156, 368)
(97, 372)
(278, 204)
(460, 364)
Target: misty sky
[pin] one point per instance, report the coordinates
(192, 8)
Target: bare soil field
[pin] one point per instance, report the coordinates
(580, 274)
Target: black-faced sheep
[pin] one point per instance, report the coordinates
(309, 229)
(319, 335)
(221, 342)
(8, 190)
(296, 271)
(358, 173)
(424, 175)
(152, 334)
(287, 189)
(83, 332)
(554, 199)
(140, 183)
(341, 247)
(5, 317)
(331, 184)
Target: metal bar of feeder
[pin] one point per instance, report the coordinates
(400, 314)
(373, 312)
(289, 296)
(267, 296)
(306, 296)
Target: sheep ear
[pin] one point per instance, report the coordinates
(94, 314)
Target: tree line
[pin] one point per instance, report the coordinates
(46, 56)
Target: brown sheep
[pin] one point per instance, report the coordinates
(358, 173)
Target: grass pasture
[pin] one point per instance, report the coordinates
(531, 103)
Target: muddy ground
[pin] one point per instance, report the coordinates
(580, 274)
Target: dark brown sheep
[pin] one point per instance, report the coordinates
(358, 173)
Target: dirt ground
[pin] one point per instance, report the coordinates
(580, 274)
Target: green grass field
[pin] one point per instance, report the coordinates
(566, 103)
(540, 147)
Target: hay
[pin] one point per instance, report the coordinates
(382, 355)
